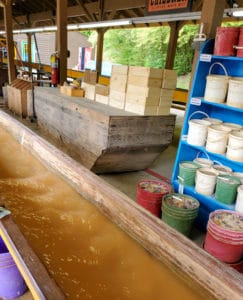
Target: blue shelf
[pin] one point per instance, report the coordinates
(197, 104)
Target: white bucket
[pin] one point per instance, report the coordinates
(217, 138)
(235, 92)
(235, 146)
(205, 181)
(232, 126)
(239, 199)
(213, 120)
(216, 86)
(203, 162)
(197, 132)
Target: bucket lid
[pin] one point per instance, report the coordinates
(227, 220)
(154, 186)
(181, 201)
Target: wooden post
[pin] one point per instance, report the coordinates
(10, 42)
(61, 17)
(174, 31)
(99, 55)
(212, 14)
(29, 36)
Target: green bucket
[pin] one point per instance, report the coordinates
(179, 211)
(226, 188)
(187, 172)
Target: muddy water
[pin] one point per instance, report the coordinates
(88, 256)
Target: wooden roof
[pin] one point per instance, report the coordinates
(32, 13)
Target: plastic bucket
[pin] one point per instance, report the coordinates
(235, 92)
(179, 211)
(232, 126)
(224, 238)
(205, 181)
(239, 199)
(150, 193)
(203, 162)
(12, 284)
(225, 40)
(239, 175)
(238, 266)
(240, 44)
(235, 146)
(216, 85)
(213, 121)
(187, 172)
(217, 138)
(221, 169)
(226, 188)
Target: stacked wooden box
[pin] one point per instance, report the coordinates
(118, 86)
(89, 82)
(150, 90)
(17, 96)
(102, 93)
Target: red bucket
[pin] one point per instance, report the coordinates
(240, 44)
(150, 193)
(238, 266)
(226, 39)
(224, 239)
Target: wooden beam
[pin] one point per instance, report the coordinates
(10, 42)
(99, 55)
(61, 20)
(171, 51)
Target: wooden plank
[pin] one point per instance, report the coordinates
(102, 99)
(145, 71)
(118, 83)
(119, 69)
(41, 285)
(144, 81)
(102, 89)
(143, 91)
(212, 278)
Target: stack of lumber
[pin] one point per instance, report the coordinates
(150, 90)
(89, 82)
(102, 93)
(118, 86)
(17, 96)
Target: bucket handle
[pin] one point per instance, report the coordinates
(217, 162)
(198, 112)
(238, 47)
(205, 153)
(221, 65)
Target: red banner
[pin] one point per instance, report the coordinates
(167, 6)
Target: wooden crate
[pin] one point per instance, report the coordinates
(133, 90)
(117, 99)
(89, 90)
(102, 89)
(90, 76)
(149, 110)
(145, 71)
(169, 79)
(119, 69)
(118, 83)
(72, 91)
(142, 100)
(164, 109)
(17, 96)
(102, 99)
(144, 81)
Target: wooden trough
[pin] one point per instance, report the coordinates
(212, 278)
(103, 138)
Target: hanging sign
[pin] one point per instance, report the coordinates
(167, 6)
